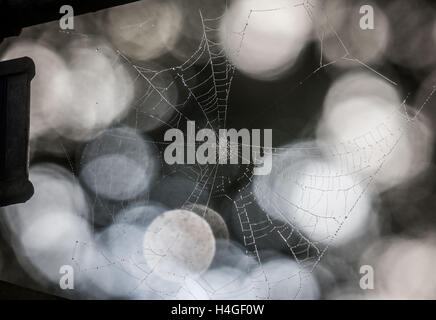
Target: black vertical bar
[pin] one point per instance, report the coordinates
(3, 117)
(15, 77)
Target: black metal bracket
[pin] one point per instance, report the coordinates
(15, 77)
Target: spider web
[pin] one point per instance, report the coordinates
(205, 80)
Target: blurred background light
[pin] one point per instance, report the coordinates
(144, 30)
(404, 268)
(227, 278)
(276, 33)
(413, 22)
(386, 138)
(341, 39)
(47, 243)
(50, 89)
(318, 197)
(77, 95)
(118, 266)
(355, 84)
(177, 244)
(102, 90)
(283, 279)
(140, 214)
(118, 164)
(45, 230)
(56, 190)
(221, 283)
